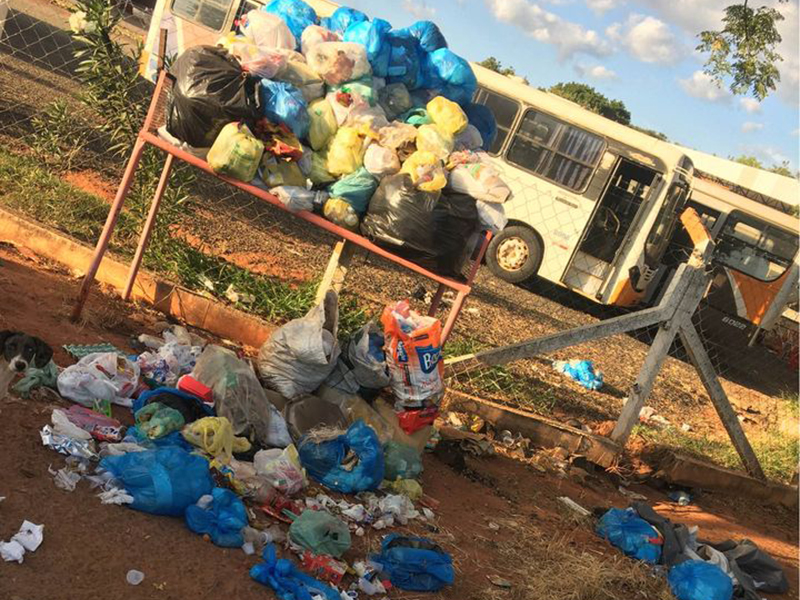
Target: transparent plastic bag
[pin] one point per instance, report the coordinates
(276, 172)
(156, 420)
(397, 136)
(100, 376)
(296, 198)
(295, 13)
(338, 62)
(321, 533)
(432, 139)
(319, 174)
(282, 469)
(282, 102)
(447, 115)
(316, 34)
(381, 161)
(323, 123)
(261, 61)
(267, 30)
(301, 76)
(492, 216)
(346, 152)
(339, 211)
(236, 152)
(481, 181)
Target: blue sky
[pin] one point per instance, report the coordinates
(639, 51)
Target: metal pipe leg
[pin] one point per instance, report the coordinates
(437, 298)
(453, 315)
(108, 228)
(147, 232)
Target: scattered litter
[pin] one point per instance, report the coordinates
(415, 564)
(582, 371)
(648, 416)
(27, 539)
(67, 445)
(78, 351)
(499, 581)
(631, 494)
(494, 526)
(65, 479)
(12, 551)
(680, 497)
(134, 577)
(686, 427)
(574, 506)
(633, 535)
(115, 496)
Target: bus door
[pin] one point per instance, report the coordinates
(630, 187)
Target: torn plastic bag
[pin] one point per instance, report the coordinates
(322, 123)
(401, 462)
(415, 564)
(362, 365)
(279, 141)
(281, 469)
(100, 376)
(338, 62)
(267, 30)
(281, 102)
(380, 161)
(483, 119)
(414, 354)
(428, 34)
(491, 216)
(287, 581)
(447, 72)
(346, 152)
(430, 138)
(221, 516)
(342, 103)
(426, 170)
(631, 534)
(240, 398)
(356, 188)
(404, 59)
(342, 18)
(303, 77)
(348, 463)
(310, 413)
(296, 198)
(321, 533)
(163, 481)
(479, 180)
(236, 152)
(299, 355)
(214, 436)
(447, 115)
(276, 172)
(295, 13)
(210, 91)
(699, 580)
(469, 139)
(373, 35)
(316, 34)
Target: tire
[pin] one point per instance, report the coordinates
(515, 254)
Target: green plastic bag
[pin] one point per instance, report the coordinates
(401, 462)
(321, 533)
(156, 420)
(416, 117)
(357, 188)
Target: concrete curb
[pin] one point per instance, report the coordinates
(187, 306)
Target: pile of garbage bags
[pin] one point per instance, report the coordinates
(372, 127)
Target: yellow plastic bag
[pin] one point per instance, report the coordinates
(323, 123)
(346, 152)
(318, 174)
(447, 115)
(427, 171)
(236, 152)
(339, 211)
(282, 172)
(214, 436)
(432, 139)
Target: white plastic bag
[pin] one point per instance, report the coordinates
(265, 29)
(296, 198)
(315, 34)
(380, 161)
(491, 216)
(282, 469)
(338, 62)
(100, 376)
(481, 181)
(299, 355)
(341, 111)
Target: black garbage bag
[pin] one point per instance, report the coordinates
(210, 91)
(428, 228)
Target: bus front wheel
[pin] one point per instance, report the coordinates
(515, 254)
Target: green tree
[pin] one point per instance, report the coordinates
(651, 132)
(744, 50)
(750, 161)
(495, 65)
(589, 98)
(784, 169)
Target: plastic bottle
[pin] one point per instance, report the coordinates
(134, 577)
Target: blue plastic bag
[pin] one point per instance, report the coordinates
(483, 119)
(342, 18)
(373, 35)
(583, 372)
(287, 581)
(630, 533)
(699, 580)
(415, 564)
(281, 102)
(222, 519)
(356, 188)
(447, 72)
(296, 14)
(323, 460)
(163, 481)
(429, 35)
(404, 59)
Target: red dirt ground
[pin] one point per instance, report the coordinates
(89, 547)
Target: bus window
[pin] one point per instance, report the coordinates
(208, 13)
(556, 151)
(504, 110)
(660, 233)
(756, 248)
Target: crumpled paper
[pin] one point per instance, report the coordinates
(65, 479)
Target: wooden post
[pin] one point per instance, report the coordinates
(701, 361)
(337, 268)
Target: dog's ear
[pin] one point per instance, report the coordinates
(43, 353)
(4, 335)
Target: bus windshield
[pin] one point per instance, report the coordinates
(756, 248)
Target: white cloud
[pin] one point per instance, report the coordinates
(789, 49)
(796, 132)
(601, 7)
(751, 126)
(750, 105)
(648, 39)
(595, 72)
(690, 15)
(568, 37)
(703, 87)
(419, 10)
(768, 155)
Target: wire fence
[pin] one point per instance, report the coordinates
(57, 165)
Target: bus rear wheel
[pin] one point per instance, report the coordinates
(515, 254)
